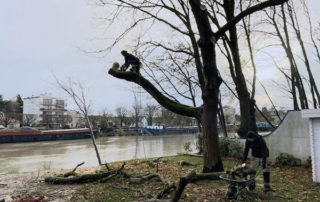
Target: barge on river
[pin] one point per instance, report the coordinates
(9, 136)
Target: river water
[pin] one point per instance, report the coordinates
(27, 157)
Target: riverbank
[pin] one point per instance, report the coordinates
(31, 185)
(53, 155)
(289, 183)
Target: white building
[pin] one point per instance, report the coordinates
(44, 110)
(313, 116)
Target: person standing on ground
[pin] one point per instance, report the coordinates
(260, 154)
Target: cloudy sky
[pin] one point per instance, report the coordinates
(42, 38)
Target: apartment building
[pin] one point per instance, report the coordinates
(45, 110)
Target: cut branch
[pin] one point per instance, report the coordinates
(73, 172)
(79, 179)
(85, 178)
(193, 177)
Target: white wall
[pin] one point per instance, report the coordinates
(292, 137)
(315, 148)
(313, 116)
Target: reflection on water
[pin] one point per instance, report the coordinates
(28, 157)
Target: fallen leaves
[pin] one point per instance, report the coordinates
(289, 183)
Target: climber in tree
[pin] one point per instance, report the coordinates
(130, 60)
(260, 154)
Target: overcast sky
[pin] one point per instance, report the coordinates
(40, 38)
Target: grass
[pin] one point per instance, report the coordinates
(12, 170)
(46, 165)
(289, 183)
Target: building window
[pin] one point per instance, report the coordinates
(60, 104)
(47, 101)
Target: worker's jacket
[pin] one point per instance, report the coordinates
(130, 60)
(258, 148)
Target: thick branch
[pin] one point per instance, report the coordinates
(193, 177)
(245, 13)
(86, 178)
(164, 101)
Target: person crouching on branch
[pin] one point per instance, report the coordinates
(260, 154)
(132, 60)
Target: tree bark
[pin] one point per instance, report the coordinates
(211, 153)
(210, 95)
(246, 108)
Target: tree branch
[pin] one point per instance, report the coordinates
(164, 101)
(245, 13)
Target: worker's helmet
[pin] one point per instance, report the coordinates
(123, 52)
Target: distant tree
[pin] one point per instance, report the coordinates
(150, 111)
(103, 125)
(268, 113)
(20, 102)
(9, 111)
(174, 120)
(122, 114)
(95, 120)
(237, 118)
(136, 110)
(29, 119)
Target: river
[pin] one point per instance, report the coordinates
(28, 157)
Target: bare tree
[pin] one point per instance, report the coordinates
(122, 114)
(296, 81)
(29, 119)
(77, 93)
(207, 73)
(296, 27)
(150, 111)
(137, 109)
(247, 102)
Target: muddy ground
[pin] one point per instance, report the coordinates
(13, 186)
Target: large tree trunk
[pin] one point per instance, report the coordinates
(212, 158)
(210, 94)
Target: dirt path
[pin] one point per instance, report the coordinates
(21, 184)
